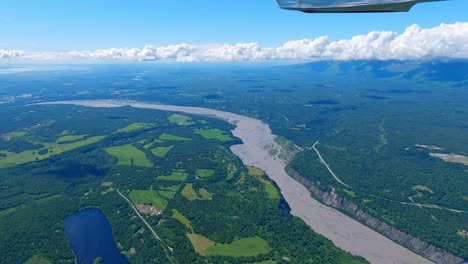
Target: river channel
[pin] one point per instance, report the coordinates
(259, 149)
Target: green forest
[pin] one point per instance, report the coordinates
(199, 198)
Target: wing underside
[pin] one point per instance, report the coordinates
(349, 6)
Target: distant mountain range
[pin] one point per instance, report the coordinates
(454, 72)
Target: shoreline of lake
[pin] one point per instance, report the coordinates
(90, 236)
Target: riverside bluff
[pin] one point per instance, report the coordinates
(417, 245)
(259, 149)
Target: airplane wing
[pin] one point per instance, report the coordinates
(349, 6)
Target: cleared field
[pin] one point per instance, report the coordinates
(382, 137)
(181, 218)
(173, 188)
(161, 151)
(244, 247)
(12, 159)
(200, 243)
(205, 194)
(15, 134)
(68, 138)
(167, 136)
(9, 159)
(167, 194)
(205, 173)
(253, 171)
(129, 155)
(270, 189)
(180, 119)
(37, 260)
(189, 192)
(175, 176)
(59, 148)
(462, 233)
(349, 192)
(107, 184)
(134, 127)
(231, 170)
(149, 197)
(213, 134)
(12, 209)
(241, 178)
(149, 145)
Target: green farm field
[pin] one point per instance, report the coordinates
(205, 173)
(243, 247)
(215, 133)
(167, 136)
(181, 218)
(179, 119)
(174, 176)
(11, 159)
(129, 155)
(134, 127)
(148, 197)
(161, 151)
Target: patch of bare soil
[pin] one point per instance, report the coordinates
(451, 158)
(148, 209)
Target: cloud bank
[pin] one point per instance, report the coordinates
(443, 41)
(6, 54)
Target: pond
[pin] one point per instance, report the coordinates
(90, 236)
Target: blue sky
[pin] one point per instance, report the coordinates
(62, 25)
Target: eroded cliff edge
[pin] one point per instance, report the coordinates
(343, 204)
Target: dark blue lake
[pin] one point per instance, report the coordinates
(90, 237)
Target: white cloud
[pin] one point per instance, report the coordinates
(443, 41)
(7, 54)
